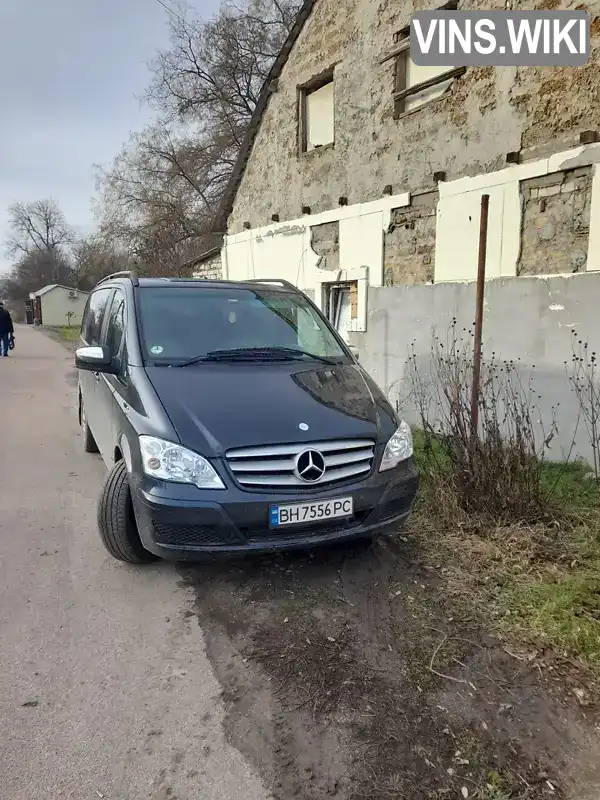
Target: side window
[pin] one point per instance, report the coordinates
(116, 324)
(85, 317)
(94, 316)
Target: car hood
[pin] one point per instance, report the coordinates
(215, 407)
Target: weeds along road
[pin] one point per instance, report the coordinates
(105, 686)
(350, 673)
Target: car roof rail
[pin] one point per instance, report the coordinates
(279, 281)
(125, 273)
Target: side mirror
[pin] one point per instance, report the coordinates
(355, 351)
(94, 359)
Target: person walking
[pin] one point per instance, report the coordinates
(7, 331)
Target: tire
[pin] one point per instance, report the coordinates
(89, 443)
(116, 521)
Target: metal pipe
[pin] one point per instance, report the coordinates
(483, 227)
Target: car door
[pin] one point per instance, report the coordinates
(113, 337)
(91, 334)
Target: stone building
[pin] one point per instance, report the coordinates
(363, 170)
(207, 265)
(361, 178)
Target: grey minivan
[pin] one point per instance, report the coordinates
(232, 417)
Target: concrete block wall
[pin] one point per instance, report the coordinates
(528, 318)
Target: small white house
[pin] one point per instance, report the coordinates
(57, 305)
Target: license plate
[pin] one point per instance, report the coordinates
(297, 513)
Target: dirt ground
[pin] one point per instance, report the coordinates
(359, 673)
(351, 673)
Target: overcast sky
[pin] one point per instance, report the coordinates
(70, 75)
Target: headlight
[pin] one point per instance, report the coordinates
(171, 462)
(399, 448)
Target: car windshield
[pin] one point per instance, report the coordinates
(182, 324)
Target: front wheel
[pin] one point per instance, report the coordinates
(116, 520)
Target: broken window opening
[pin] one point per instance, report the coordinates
(342, 306)
(317, 117)
(416, 86)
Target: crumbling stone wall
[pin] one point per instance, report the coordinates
(325, 241)
(486, 114)
(409, 243)
(555, 223)
(211, 269)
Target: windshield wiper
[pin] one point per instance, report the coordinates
(257, 353)
(195, 360)
(286, 352)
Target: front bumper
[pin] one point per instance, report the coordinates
(180, 522)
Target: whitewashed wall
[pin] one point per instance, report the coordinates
(283, 250)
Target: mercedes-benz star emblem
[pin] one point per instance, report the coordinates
(310, 466)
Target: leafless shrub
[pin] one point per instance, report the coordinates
(496, 469)
(584, 378)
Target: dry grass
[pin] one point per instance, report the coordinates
(540, 583)
(494, 466)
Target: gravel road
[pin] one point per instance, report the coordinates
(105, 686)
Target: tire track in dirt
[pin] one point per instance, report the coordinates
(331, 665)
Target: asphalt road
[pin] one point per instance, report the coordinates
(105, 686)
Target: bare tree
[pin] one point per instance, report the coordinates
(35, 270)
(38, 227)
(94, 259)
(158, 198)
(214, 71)
(39, 241)
(155, 202)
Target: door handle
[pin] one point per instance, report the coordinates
(97, 376)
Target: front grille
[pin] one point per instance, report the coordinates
(273, 466)
(187, 535)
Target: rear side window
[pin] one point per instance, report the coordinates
(116, 324)
(91, 328)
(85, 317)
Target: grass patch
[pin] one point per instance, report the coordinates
(568, 487)
(492, 793)
(561, 610)
(565, 486)
(537, 583)
(69, 334)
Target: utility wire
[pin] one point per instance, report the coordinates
(169, 10)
